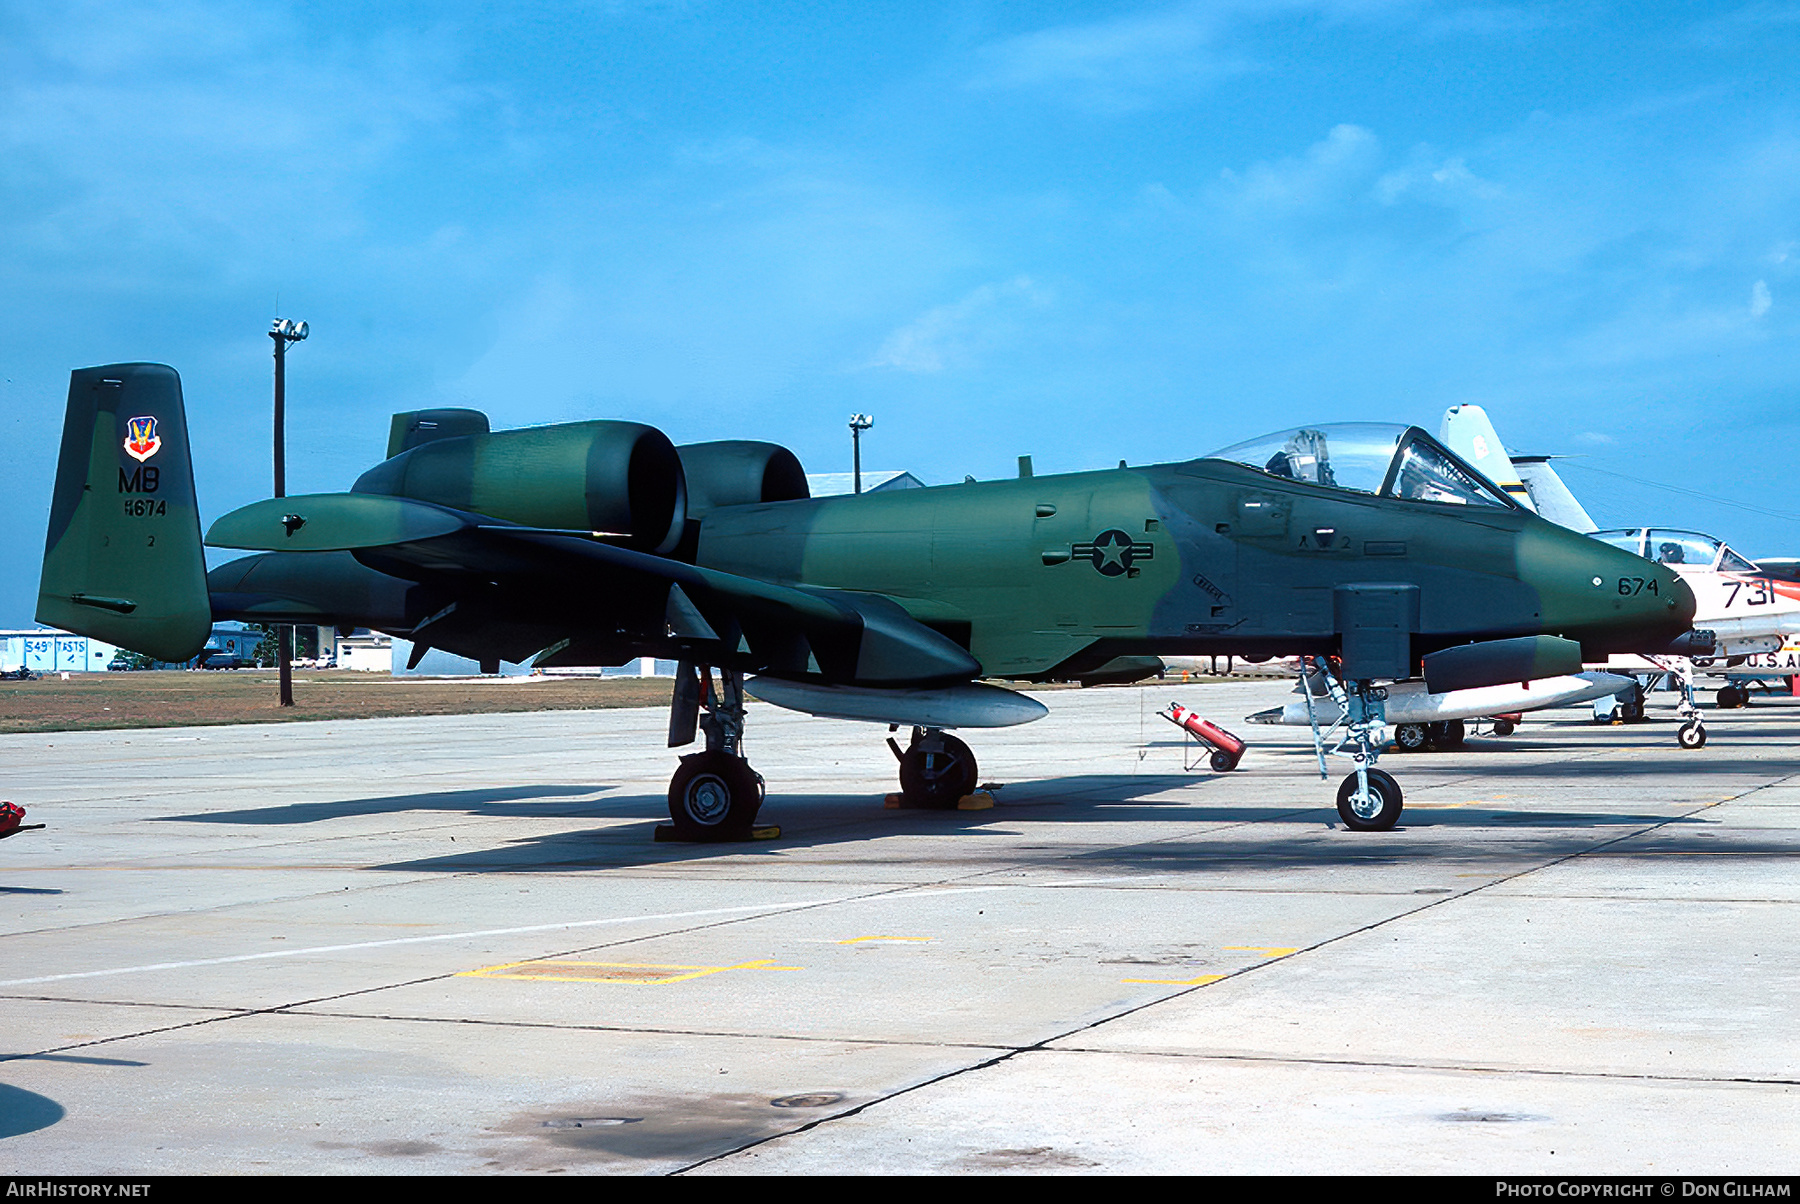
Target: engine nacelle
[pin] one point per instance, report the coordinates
(740, 472)
(622, 478)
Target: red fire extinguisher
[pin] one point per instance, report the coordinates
(1227, 748)
(12, 818)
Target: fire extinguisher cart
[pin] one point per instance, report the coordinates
(1220, 748)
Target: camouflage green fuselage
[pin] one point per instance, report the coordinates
(1053, 576)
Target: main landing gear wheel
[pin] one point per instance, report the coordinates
(1691, 735)
(1411, 737)
(714, 796)
(937, 777)
(1377, 811)
(1732, 697)
(1448, 734)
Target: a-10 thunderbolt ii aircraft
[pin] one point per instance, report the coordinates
(1367, 547)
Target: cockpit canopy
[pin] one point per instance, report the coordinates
(1677, 549)
(1381, 458)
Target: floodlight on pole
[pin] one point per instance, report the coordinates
(858, 424)
(283, 332)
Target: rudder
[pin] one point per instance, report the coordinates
(123, 560)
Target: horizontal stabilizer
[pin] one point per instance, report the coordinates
(331, 522)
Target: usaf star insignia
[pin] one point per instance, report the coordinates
(1113, 552)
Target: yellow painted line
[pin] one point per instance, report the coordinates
(1271, 950)
(1178, 982)
(857, 940)
(627, 973)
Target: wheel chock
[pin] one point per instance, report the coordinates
(666, 832)
(981, 800)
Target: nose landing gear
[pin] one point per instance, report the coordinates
(1372, 804)
(1368, 800)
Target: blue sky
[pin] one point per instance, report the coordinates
(1088, 232)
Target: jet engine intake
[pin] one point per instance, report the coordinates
(621, 479)
(740, 472)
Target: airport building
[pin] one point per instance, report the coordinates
(836, 484)
(45, 650)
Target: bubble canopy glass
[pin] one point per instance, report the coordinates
(1385, 459)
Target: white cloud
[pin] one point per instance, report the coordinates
(175, 131)
(1451, 179)
(946, 334)
(1143, 58)
(1760, 299)
(1114, 63)
(1348, 155)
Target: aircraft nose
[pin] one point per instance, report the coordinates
(1609, 599)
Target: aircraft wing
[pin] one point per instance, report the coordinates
(573, 598)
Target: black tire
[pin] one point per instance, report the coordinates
(1731, 697)
(1633, 711)
(938, 779)
(1380, 818)
(1412, 737)
(1691, 735)
(1222, 761)
(1503, 727)
(1446, 734)
(714, 796)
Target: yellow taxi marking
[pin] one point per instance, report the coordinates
(1271, 950)
(1178, 982)
(857, 940)
(631, 973)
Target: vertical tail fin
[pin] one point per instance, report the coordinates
(123, 560)
(1467, 432)
(1551, 497)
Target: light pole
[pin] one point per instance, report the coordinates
(283, 332)
(858, 424)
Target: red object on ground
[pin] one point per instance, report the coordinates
(11, 816)
(1206, 731)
